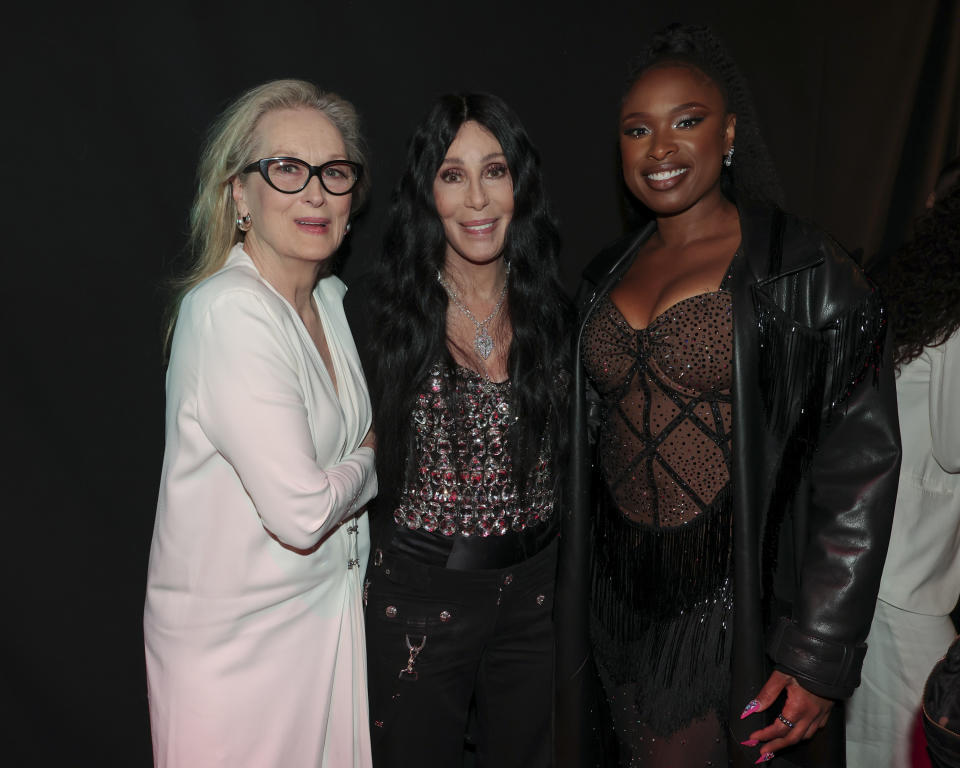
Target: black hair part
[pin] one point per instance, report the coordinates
(409, 305)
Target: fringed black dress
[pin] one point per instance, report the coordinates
(661, 592)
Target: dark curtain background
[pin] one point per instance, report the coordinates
(104, 113)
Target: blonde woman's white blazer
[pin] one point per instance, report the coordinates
(253, 620)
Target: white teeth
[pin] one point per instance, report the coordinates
(664, 175)
(479, 227)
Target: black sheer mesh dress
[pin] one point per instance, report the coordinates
(661, 575)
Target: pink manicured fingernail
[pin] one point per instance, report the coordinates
(750, 708)
(750, 742)
(765, 758)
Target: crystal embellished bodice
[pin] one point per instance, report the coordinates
(664, 454)
(463, 480)
(665, 441)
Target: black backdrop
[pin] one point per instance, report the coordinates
(104, 112)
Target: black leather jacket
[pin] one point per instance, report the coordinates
(816, 456)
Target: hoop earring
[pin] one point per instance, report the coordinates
(244, 222)
(728, 158)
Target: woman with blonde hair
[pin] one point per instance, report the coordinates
(253, 621)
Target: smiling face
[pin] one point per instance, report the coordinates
(306, 226)
(473, 193)
(674, 133)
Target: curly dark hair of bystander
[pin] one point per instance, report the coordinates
(921, 283)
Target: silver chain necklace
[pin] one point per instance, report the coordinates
(482, 341)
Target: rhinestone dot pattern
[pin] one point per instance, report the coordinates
(665, 455)
(463, 485)
(665, 438)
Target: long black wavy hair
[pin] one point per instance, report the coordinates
(752, 173)
(922, 281)
(409, 306)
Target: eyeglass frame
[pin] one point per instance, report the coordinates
(315, 170)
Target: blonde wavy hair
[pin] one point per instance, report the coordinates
(227, 150)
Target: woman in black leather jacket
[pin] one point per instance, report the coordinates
(746, 447)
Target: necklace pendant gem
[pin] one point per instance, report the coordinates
(482, 343)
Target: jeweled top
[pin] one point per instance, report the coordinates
(463, 484)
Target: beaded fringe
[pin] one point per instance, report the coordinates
(641, 572)
(858, 349)
(681, 666)
(661, 600)
(794, 361)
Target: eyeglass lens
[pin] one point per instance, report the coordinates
(292, 176)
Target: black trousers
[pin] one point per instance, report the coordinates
(439, 639)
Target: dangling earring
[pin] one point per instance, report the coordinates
(244, 222)
(728, 158)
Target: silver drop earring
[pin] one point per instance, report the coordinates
(244, 222)
(728, 158)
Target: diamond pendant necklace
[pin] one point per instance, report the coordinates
(482, 341)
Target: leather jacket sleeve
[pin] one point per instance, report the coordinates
(843, 509)
(594, 406)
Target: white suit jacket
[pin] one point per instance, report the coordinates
(922, 570)
(253, 618)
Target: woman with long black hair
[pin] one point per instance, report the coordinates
(747, 447)
(468, 369)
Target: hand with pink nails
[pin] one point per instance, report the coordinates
(803, 714)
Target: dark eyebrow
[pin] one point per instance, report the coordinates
(679, 108)
(690, 105)
(484, 159)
